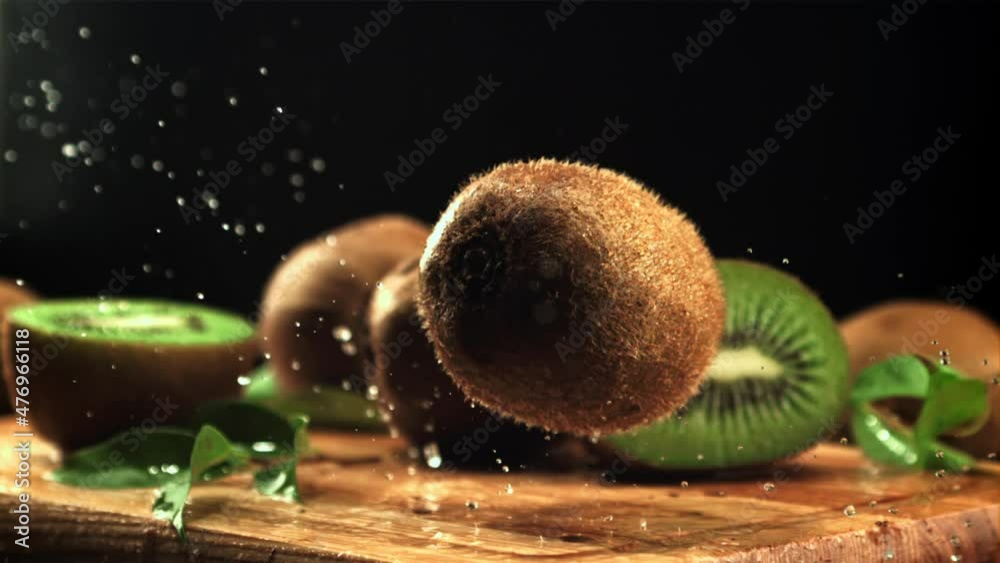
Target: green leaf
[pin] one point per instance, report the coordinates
(951, 400)
(890, 445)
(170, 500)
(901, 376)
(326, 406)
(280, 481)
(264, 433)
(211, 450)
(129, 460)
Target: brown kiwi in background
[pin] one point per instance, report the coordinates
(313, 311)
(11, 294)
(570, 297)
(422, 403)
(965, 339)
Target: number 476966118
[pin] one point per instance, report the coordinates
(21, 382)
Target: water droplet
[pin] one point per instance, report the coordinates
(785, 261)
(769, 487)
(432, 455)
(264, 447)
(161, 123)
(296, 366)
(137, 161)
(89, 414)
(471, 505)
(890, 554)
(178, 89)
(843, 441)
(10, 155)
(84, 32)
(260, 227)
(147, 268)
(263, 71)
(643, 525)
(135, 59)
(318, 165)
(349, 349)
(940, 473)
(233, 101)
(244, 380)
(684, 484)
(509, 489)
(939, 454)
(955, 541)
(850, 511)
(956, 557)
(297, 180)
(158, 165)
(69, 150)
(200, 296)
(893, 510)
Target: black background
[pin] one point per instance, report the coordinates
(558, 86)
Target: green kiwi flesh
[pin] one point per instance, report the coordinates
(777, 386)
(99, 367)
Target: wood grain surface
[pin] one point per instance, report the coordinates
(366, 502)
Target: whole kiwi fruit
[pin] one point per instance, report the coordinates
(940, 332)
(570, 297)
(421, 402)
(11, 294)
(98, 368)
(777, 386)
(314, 306)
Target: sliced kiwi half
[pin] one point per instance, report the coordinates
(326, 406)
(777, 386)
(99, 367)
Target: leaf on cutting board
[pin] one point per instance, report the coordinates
(211, 450)
(279, 480)
(129, 460)
(901, 376)
(264, 433)
(951, 401)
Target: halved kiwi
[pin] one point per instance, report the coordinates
(777, 386)
(101, 367)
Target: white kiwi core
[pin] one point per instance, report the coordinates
(744, 363)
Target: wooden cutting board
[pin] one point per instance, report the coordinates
(365, 503)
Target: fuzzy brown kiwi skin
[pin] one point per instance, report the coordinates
(77, 399)
(313, 289)
(571, 298)
(422, 403)
(904, 327)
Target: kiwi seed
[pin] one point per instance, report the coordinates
(314, 306)
(101, 367)
(569, 297)
(777, 386)
(422, 403)
(940, 332)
